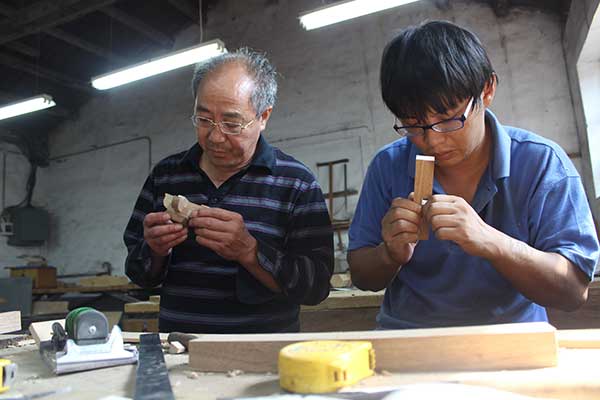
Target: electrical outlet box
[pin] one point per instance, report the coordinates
(30, 226)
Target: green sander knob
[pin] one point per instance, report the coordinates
(86, 325)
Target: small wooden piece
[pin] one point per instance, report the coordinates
(134, 337)
(154, 299)
(42, 331)
(423, 189)
(488, 347)
(341, 280)
(176, 348)
(180, 208)
(10, 321)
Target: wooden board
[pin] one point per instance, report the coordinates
(103, 281)
(348, 299)
(42, 331)
(579, 338)
(10, 321)
(134, 337)
(424, 167)
(88, 289)
(140, 325)
(50, 307)
(142, 307)
(488, 347)
(336, 320)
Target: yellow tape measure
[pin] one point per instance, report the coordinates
(8, 373)
(324, 366)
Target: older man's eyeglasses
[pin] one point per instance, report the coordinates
(226, 128)
(445, 126)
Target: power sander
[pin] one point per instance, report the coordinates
(85, 343)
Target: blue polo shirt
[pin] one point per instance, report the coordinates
(530, 191)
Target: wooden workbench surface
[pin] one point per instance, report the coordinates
(576, 377)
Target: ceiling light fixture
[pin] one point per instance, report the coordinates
(345, 10)
(21, 107)
(181, 58)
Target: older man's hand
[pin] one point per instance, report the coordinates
(225, 233)
(161, 234)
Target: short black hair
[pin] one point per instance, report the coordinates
(258, 66)
(433, 67)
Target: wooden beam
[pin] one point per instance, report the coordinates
(10, 321)
(489, 347)
(84, 44)
(423, 189)
(55, 14)
(58, 77)
(579, 338)
(184, 7)
(138, 25)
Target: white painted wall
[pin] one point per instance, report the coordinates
(329, 107)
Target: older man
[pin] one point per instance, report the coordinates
(264, 244)
(511, 228)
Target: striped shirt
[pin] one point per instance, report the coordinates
(284, 210)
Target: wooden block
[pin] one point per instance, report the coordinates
(142, 307)
(113, 318)
(176, 348)
(42, 331)
(180, 208)
(104, 280)
(140, 325)
(487, 347)
(10, 321)
(423, 189)
(134, 337)
(154, 299)
(348, 299)
(579, 338)
(341, 280)
(42, 276)
(50, 307)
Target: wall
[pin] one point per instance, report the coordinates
(329, 107)
(581, 42)
(14, 170)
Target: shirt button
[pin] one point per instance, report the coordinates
(213, 200)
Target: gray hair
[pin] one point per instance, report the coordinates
(257, 65)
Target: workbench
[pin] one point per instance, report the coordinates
(577, 376)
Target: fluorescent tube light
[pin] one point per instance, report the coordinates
(26, 106)
(181, 58)
(344, 10)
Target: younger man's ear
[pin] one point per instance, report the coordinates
(489, 90)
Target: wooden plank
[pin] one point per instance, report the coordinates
(487, 347)
(423, 189)
(140, 325)
(10, 321)
(579, 338)
(142, 307)
(134, 337)
(50, 307)
(103, 281)
(348, 299)
(42, 331)
(87, 289)
(344, 319)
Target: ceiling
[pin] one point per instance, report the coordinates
(56, 46)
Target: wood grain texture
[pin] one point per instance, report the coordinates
(488, 347)
(424, 167)
(42, 331)
(348, 299)
(142, 307)
(10, 321)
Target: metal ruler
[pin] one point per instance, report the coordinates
(152, 378)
